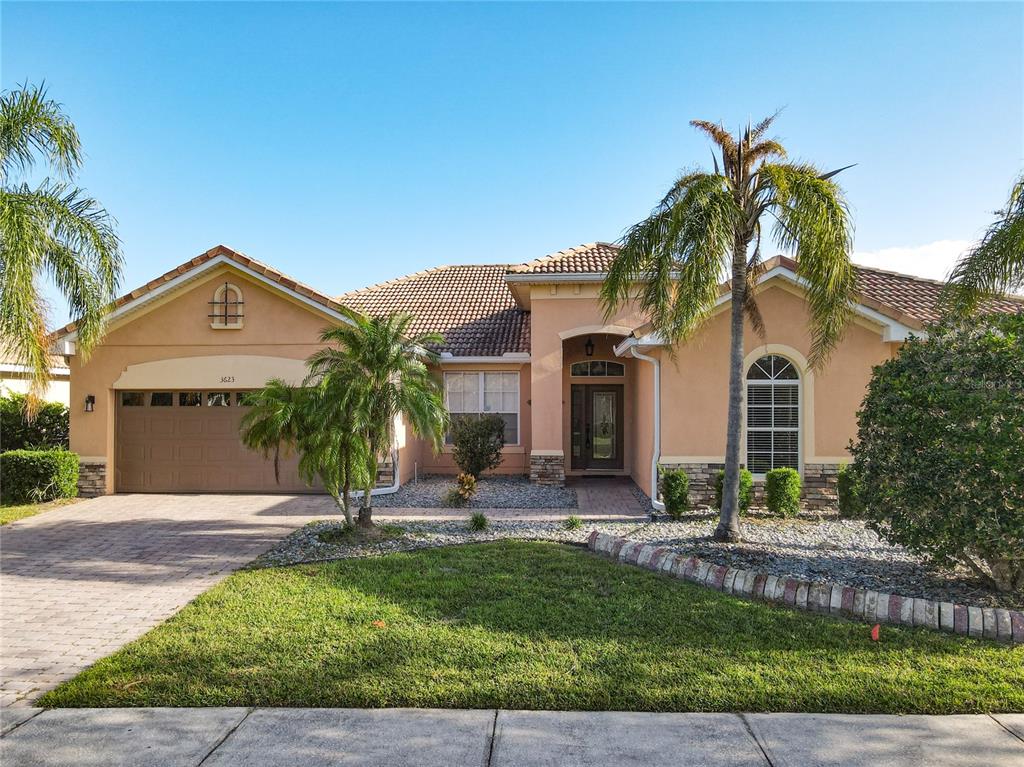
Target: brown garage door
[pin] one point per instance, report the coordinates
(187, 442)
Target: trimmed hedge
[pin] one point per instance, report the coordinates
(782, 492)
(675, 490)
(34, 476)
(847, 486)
(477, 443)
(48, 430)
(746, 489)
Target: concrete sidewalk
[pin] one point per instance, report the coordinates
(216, 737)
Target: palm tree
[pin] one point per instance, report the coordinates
(387, 370)
(996, 264)
(278, 417)
(54, 230)
(707, 228)
(332, 448)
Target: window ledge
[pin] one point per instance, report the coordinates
(237, 326)
(507, 450)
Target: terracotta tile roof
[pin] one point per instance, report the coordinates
(916, 297)
(269, 272)
(10, 357)
(593, 258)
(471, 306)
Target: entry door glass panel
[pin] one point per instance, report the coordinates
(604, 425)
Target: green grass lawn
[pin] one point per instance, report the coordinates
(535, 626)
(12, 513)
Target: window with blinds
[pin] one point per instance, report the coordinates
(773, 415)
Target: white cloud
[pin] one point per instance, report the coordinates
(934, 260)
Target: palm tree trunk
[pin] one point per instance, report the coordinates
(366, 508)
(729, 522)
(346, 491)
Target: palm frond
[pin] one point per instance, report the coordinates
(813, 222)
(995, 265)
(32, 124)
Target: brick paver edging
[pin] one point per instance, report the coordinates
(817, 596)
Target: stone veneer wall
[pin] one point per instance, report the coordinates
(547, 469)
(92, 479)
(819, 484)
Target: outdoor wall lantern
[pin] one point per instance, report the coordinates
(588, 347)
(90, 403)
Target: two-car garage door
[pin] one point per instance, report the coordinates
(188, 442)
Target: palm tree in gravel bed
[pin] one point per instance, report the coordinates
(386, 366)
(707, 228)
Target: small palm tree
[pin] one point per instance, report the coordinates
(54, 230)
(387, 370)
(279, 416)
(708, 228)
(333, 449)
(996, 264)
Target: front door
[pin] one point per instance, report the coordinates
(597, 437)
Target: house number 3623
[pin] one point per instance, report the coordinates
(227, 379)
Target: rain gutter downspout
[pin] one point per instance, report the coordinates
(656, 451)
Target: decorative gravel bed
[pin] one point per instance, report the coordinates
(830, 549)
(491, 493)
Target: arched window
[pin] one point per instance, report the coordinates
(773, 415)
(226, 307)
(597, 368)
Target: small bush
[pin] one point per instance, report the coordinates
(675, 491)
(847, 486)
(477, 443)
(782, 492)
(746, 489)
(34, 476)
(462, 493)
(573, 523)
(478, 522)
(48, 430)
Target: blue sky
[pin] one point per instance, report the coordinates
(350, 143)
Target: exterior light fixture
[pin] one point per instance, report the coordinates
(90, 403)
(588, 347)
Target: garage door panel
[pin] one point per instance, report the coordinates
(194, 449)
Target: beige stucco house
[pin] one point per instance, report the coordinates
(156, 406)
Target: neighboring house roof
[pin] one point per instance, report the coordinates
(10, 361)
(471, 306)
(220, 254)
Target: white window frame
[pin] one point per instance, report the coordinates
(747, 382)
(480, 397)
(589, 362)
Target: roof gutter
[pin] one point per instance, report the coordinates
(629, 347)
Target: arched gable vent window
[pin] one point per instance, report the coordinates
(773, 415)
(597, 368)
(227, 307)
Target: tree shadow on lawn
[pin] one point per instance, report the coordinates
(529, 625)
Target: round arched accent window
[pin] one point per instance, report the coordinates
(773, 415)
(226, 308)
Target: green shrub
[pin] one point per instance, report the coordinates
(477, 443)
(34, 476)
(746, 489)
(573, 523)
(478, 522)
(782, 492)
(847, 487)
(939, 444)
(47, 430)
(675, 492)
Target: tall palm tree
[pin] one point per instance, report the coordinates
(50, 230)
(277, 418)
(996, 264)
(388, 370)
(707, 228)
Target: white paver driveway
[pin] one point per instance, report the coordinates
(78, 583)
